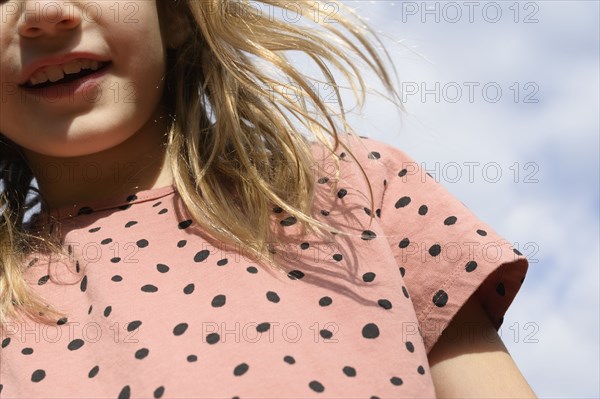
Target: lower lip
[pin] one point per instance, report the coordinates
(87, 87)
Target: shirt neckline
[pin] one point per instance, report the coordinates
(118, 201)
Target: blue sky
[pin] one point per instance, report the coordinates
(554, 141)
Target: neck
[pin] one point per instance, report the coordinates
(138, 163)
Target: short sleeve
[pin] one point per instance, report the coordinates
(444, 252)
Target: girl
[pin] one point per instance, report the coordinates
(193, 242)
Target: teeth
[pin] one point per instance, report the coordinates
(55, 73)
(72, 67)
(38, 77)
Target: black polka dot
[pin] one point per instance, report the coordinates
(338, 257)
(38, 375)
(86, 210)
(440, 298)
(188, 289)
(43, 280)
(262, 327)
(374, 155)
(500, 289)
(75, 344)
(470, 266)
(212, 338)
(409, 346)
(115, 259)
(202, 255)
(435, 250)
(402, 271)
(272, 296)
(27, 351)
(396, 380)
(149, 288)
(116, 278)
(218, 301)
(252, 269)
(325, 301)
(405, 292)
(384, 303)
(106, 241)
(289, 359)
(125, 392)
(482, 232)
(132, 197)
(423, 210)
(304, 245)
(405, 242)
(131, 223)
(162, 211)
(370, 331)
(367, 211)
(421, 370)
(240, 369)
(5, 342)
(349, 371)
(368, 235)
(323, 180)
(222, 262)
(142, 243)
(326, 334)
(192, 358)
(402, 202)
(316, 386)
(162, 268)
(141, 353)
(133, 325)
(93, 372)
(107, 311)
(324, 212)
(95, 229)
(278, 209)
(159, 392)
(83, 285)
(181, 243)
(450, 220)
(290, 220)
(368, 277)
(342, 193)
(90, 309)
(156, 204)
(295, 274)
(185, 224)
(515, 250)
(180, 329)
(378, 213)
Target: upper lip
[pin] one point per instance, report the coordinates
(33, 67)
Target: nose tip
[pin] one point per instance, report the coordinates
(48, 17)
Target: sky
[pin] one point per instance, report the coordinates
(530, 128)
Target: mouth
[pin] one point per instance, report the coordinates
(72, 71)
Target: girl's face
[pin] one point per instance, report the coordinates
(111, 52)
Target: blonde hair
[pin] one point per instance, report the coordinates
(230, 172)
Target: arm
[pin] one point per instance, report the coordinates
(470, 360)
